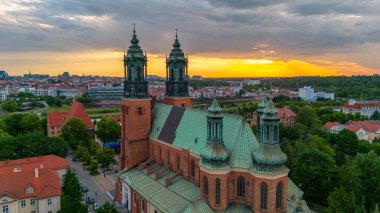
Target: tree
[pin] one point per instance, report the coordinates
(9, 106)
(30, 122)
(108, 130)
(69, 206)
(71, 186)
(339, 201)
(316, 172)
(7, 144)
(307, 116)
(376, 209)
(375, 115)
(93, 168)
(13, 125)
(349, 178)
(107, 208)
(105, 157)
(368, 167)
(75, 132)
(347, 144)
(36, 143)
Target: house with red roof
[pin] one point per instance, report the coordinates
(287, 117)
(55, 120)
(31, 184)
(371, 127)
(335, 127)
(364, 108)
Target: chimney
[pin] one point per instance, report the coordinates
(36, 172)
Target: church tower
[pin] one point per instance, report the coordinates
(136, 108)
(269, 162)
(177, 82)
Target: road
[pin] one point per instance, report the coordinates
(86, 179)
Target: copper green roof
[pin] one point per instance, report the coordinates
(215, 107)
(191, 133)
(173, 198)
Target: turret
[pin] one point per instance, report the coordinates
(135, 70)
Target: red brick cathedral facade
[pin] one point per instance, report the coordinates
(178, 159)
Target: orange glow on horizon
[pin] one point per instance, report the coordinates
(109, 63)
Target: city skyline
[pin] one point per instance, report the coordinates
(222, 38)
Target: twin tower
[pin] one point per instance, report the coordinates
(137, 105)
(135, 74)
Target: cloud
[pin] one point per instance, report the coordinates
(290, 28)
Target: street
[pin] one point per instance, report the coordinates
(97, 185)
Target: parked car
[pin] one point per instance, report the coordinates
(84, 188)
(74, 158)
(95, 206)
(90, 200)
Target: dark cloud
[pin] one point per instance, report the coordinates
(291, 27)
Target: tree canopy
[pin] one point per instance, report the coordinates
(75, 132)
(108, 130)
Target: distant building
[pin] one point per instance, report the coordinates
(324, 95)
(35, 76)
(105, 96)
(31, 184)
(3, 75)
(66, 75)
(335, 127)
(4, 92)
(371, 127)
(287, 117)
(306, 93)
(42, 92)
(55, 120)
(252, 82)
(197, 78)
(364, 108)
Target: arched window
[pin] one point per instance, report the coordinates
(279, 195)
(205, 185)
(180, 74)
(217, 191)
(264, 196)
(240, 187)
(192, 168)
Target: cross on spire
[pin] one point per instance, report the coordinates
(134, 28)
(176, 36)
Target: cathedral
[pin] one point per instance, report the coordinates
(178, 159)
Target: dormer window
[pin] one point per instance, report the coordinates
(29, 190)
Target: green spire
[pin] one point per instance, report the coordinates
(214, 107)
(177, 83)
(269, 153)
(214, 153)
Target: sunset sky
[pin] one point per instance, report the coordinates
(224, 38)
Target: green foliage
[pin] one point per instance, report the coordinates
(36, 143)
(93, 168)
(71, 186)
(69, 206)
(107, 208)
(22, 123)
(316, 172)
(75, 132)
(108, 130)
(105, 157)
(347, 144)
(53, 101)
(368, 168)
(30, 122)
(308, 117)
(7, 144)
(9, 106)
(375, 115)
(292, 132)
(339, 201)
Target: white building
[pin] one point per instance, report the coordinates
(306, 93)
(4, 94)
